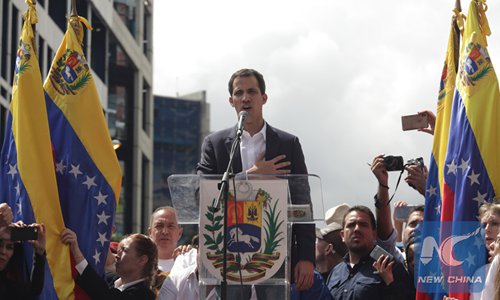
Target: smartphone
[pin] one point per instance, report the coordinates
(24, 233)
(402, 212)
(412, 122)
(379, 251)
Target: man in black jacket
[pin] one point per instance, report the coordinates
(264, 150)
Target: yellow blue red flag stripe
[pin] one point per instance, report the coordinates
(27, 166)
(87, 169)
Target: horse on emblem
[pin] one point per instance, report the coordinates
(242, 238)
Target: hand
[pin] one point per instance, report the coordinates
(417, 178)
(181, 250)
(449, 298)
(379, 170)
(68, 237)
(396, 220)
(39, 244)
(304, 275)
(431, 117)
(6, 216)
(273, 166)
(384, 269)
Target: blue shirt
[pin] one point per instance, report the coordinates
(361, 282)
(318, 291)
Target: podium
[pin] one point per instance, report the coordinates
(261, 212)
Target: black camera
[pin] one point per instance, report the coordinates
(419, 162)
(24, 233)
(393, 163)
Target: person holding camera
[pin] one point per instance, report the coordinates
(386, 233)
(12, 284)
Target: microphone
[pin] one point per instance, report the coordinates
(241, 121)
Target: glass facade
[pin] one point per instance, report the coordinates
(126, 9)
(177, 142)
(125, 94)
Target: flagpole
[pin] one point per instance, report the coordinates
(74, 18)
(458, 8)
(74, 13)
(33, 39)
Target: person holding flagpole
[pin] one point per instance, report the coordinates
(136, 264)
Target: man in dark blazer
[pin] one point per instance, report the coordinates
(269, 151)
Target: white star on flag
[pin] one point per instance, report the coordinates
(474, 178)
(18, 189)
(60, 167)
(89, 182)
(19, 207)
(101, 198)
(464, 165)
(480, 198)
(97, 256)
(452, 168)
(102, 238)
(103, 218)
(478, 242)
(75, 170)
(432, 191)
(438, 209)
(470, 259)
(12, 170)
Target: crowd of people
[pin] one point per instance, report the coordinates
(359, 254)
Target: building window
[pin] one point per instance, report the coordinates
(3, 121)
(126, 9)
(121, 86)
(146, 106)
(147, 45)
(4, 15)
(99, 47)
(57, 11)
(144, 191)
(41, 56)
(14, 38)
(50, 56)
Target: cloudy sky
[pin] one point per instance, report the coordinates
(339, 74)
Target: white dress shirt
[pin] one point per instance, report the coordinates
(251, 147)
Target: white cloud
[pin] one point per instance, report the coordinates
(339, 73)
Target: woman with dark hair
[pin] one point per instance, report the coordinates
(12, 284)
(136, 264)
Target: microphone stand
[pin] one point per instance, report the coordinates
(223, 197)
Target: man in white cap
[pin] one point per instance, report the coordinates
(330, 249)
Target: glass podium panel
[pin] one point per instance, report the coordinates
(261, 211)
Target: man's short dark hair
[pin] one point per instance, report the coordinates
(364, 209)
(335, 239)
(418, 208)
(248, 73)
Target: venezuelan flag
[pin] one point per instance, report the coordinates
(87, 170)
(433, 203)
(27, 169)
(471, 167)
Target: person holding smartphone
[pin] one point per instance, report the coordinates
(12, 284)
(365, 272)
